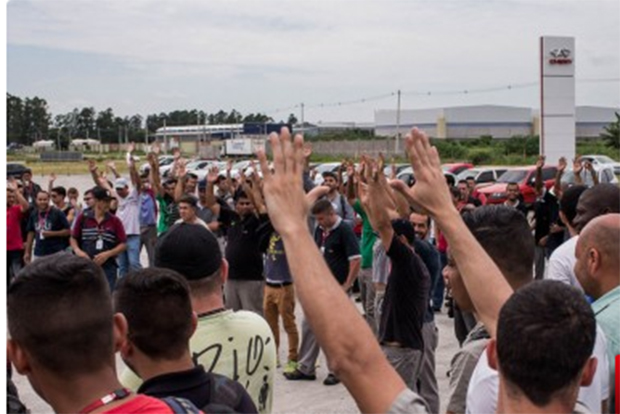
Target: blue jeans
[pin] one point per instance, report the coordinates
(129, 260)
(110, 270)
(438, 289)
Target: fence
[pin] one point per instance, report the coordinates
(356, 148)
(55, 156)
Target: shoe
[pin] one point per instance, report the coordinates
(297, 375)
(331, 380)
(290, 367)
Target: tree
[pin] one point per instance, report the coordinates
(292, 119)
(611, 135)
(15, 119)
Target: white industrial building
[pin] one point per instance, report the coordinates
(474, 121)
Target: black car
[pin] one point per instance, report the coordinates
(16, 170)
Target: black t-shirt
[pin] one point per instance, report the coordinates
(547, 212)
(406, 298)
(242, 250)
(197, 386)
(338, 245)
(430, 256)
(52, 220)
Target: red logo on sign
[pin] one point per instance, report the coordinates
(560, 61)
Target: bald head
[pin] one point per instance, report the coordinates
(598, 255)
(596, 201)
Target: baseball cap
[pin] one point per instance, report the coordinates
(189, 249)
(121, 183)
(100, 193)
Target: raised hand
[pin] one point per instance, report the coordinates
(111, 165)
(212, 175)
(588, 166)
(283, 188)
(540, 162)
(131, 147)
(577, 165)
(52, 177)
(562, 164)
(156, 148)
(92, 165)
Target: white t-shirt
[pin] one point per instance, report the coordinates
(562, 264)
(484, 384)
(129, 212)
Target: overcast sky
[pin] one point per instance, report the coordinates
(144, 56)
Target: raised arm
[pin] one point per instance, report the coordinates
(351, 348)
(538, 184)
(50, 182)
(557, 184)
(92, 168)
(590, 168)
(211, 201)
(179, 190)
(21, 200)
(377, 202)
(133, 172)
(577, 169)
(154, 177)
(488, 289)
(111, 167)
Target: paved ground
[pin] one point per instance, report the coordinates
(290, 397)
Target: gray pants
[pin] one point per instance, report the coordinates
(367, 294)
(406, 361)
(427, 384)
(379, 295)
(539, 262)
(148, 240)
(308, 351)
(245, 295)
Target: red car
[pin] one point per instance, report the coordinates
(525, 177)
(456, 167)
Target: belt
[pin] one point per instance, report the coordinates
(278, 285)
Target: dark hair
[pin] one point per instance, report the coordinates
(188, 199)
(462, 182)
(322, 206)
(471, 177)
(449, 180)
(455, 192)
(43, 192)
(60, 190)
(60, 311)
(569, 200)
(512, 183)
(239, 194)
(545, 335)
(156, 303)
(191, 175)
(89, 191)
(493, 226)
(73, 190)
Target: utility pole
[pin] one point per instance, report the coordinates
(397, 138)
(302, 115)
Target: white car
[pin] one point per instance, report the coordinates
(598, 160)
(163, 161)
(483, 175)
(605, 174)
(323, 168)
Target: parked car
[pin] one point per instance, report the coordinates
(163, 160)
(14, 146)
(599, 160)
(407, 176)
(484, 176)
(456, 167)
(15, 170)
(525, 177)
(387, 170)
(604, 172)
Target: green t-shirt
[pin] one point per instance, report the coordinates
(368, 236)
(168, 213)
(238, 345)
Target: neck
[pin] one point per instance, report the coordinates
(44, 210)
(512, 202)
(99, 212)
(207, 303)
(147, 368)
(61, 204)
(608, 283)
(82, 391)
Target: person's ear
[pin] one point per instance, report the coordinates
(589, 369)
(120, 330)
(19, 357)
(492, 354)
(224, 270)
(594, 261)
(194, 323)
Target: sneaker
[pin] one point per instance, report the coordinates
(331, 380)
(290, 366)
(297, 375)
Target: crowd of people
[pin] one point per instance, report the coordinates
(533, 290)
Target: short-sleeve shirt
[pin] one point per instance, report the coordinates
(607, 312)
(14, 239)
(51, 220)
(339, 246)
(129, 212)
(87, 232)
(368, 236)
(148, 210)
(168, 213)
(430, 256)
(141, 404)
(242, 250)
(406, 298)
(276, 265)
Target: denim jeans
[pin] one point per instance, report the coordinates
(129, 260)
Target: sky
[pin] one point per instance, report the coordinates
(142, 57)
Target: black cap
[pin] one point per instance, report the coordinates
(189, 249)
(100, 193)
(403, 227)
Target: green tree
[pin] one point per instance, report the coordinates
(611, 135)
(292, 119)
(15, 119)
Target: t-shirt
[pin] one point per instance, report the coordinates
(129, 212)
(406, 298)
(276, 265)
(141, 404)
(483, 388)
(242, 250)
(463, 365)
(87, 232)
(339, 246)
(14, 239)
(380, 263)
(368, 236)
(51, 220)
(168, 213)
(562, 264)
(238, 345)
(430, 256)
(546, 211)
(343, 209)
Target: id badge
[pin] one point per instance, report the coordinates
(41, 236)
(322, 249)
(99, 244)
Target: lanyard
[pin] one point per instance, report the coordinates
(106, 399)
(42, 222)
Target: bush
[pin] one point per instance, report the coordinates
(478, 156)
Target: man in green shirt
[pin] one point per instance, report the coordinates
(597, 269)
